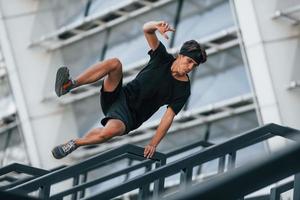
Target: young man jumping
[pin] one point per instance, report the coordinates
(163, 81)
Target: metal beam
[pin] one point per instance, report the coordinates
(287, 14)
(257, 175)
(50, 42)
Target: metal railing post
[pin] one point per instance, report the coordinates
(44, 192)
(231, 160)
(274, 194)
(297, 186)
(144, 191)
(276, 191)
(75, 182)
(83, 180)
(221, 167)
(186, 177)
(159, 184)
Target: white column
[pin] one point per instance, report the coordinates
(260, 68)
(18, 95)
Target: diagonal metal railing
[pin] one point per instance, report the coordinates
(12, 196)
(21, 169)
(78, 173)
(79, 190)
(185, 166)
(144, 191)
(151, 183)
(16, 174)
(262, 173)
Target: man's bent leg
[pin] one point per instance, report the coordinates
(113, 127)
(111, 67)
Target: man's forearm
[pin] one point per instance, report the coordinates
(161, 131)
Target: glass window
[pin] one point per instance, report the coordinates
(127, 41)
(223, 76)
(99, 6)
(197, 23)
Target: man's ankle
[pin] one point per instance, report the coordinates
(74, 83)
(77, 143)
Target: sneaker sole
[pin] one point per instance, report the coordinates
(62, 76)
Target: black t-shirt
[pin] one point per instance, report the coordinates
(154, 86)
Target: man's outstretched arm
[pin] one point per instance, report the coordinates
(149, 32)
(161, 131)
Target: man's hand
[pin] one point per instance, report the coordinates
(149, 151)
(149, 31)
(164, 27)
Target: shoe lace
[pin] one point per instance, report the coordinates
(68, 146)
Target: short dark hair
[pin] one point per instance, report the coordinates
(194, 50)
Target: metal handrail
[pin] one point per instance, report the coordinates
(19, 168)
(44, 183)
(185, 165)
(258, 175)
(118, 173)
(129, 169)
(16, 167)
(12, 196)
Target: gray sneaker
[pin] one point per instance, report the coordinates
(63, 150)
(63, 82)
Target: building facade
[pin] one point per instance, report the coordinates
(251, 76)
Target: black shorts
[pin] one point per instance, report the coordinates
(114, 106)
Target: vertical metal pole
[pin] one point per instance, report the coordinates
(221, 164)
(87, 8)
(144, 191)
(159, 184)
(186, 177)
(231, 160)
(75, 182)
(297, 186)
(275, 195)
(176, 21)
(44, 192)
(206, 138)
(83, 180)
(127, 175)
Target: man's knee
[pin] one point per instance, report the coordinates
(115, 64)
(108, 133)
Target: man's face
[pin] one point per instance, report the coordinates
(186, 64)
